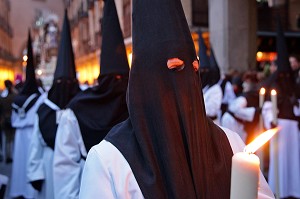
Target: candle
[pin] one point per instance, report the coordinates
(274, 105)
(244, 176)
(262, 93)
(245, 169)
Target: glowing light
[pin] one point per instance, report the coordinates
(260, 140)
(262, 91)
(259, 55)
(39, 72)
(25, 58)
(273, 92)
(130, 59)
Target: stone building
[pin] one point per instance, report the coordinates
(6, 34)
(240, 32)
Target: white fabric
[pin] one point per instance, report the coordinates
(40, 161)
(68, 163)
(228, 121)
(108, 175)
(3, 180)
(24, 128)
(240, 110)
(213, 100)
(288, 155)
(229, 94)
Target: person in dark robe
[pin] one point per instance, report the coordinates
(287, 150)
(167, 148)
(64, 87)
(93, 112)
(24, 106)
(6, 99)
(210, 76)
(243, 113)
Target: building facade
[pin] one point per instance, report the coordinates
(6, 34)
(235, 29)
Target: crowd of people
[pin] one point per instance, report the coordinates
(169, 130)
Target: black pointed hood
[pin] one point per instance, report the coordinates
(65, 85)
(64, 88)
(283, 64)
(213, 62)
(113, 53)
(172, 148)
(204, 60)
(30, 85)
(65, 66)
(109, 97)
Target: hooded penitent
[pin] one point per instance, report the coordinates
(98, 109)
(29, 92)
(64, 88)
(173, 149)
(282, 80)
(204, 61)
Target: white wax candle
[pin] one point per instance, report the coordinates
(244, 176)
(274, 105)
(262, 92)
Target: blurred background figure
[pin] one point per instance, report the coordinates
(19, 83)
(8, 132)
(24, 106)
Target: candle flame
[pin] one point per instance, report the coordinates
(273, 92)
(260, 140)
(262, 91)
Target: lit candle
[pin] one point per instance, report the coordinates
(244, 176)
(274, 105)
(260, 153)
(245, 169)
(262, 93)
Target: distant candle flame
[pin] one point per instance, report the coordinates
(260, 140)
(273, 92)
(262, 91)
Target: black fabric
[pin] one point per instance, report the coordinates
(47, 124)
(62, 91)
(173, 149)
(99, 108)
(30, 86)
(113, 53)
(252, 98)
(65, 85)
(204, 61)
(65, 66)
(20, 99)
(283, 64)
(210, 76)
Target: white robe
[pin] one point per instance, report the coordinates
(40, 161)
(213, 100)
(241, 111)
(68, 162)
(288, 155)
(19, 184)
(108, 175)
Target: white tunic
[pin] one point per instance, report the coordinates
(68, 163)
(108, 175)
(288, 155)
(24, 127)
(40, 161)
(213, 100)
(241, 111)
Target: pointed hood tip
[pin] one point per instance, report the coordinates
(65, 67)
(113, 58)
(30, 84)
(204, 60)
